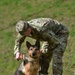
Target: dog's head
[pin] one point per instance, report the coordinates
(33, 50)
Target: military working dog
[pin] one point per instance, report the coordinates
(30, 64)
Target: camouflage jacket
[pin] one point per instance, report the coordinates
(43, 29)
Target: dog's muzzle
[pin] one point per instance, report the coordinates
(34, 54)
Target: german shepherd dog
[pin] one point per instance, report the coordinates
(30, 64)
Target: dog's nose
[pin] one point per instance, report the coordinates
(34, 53)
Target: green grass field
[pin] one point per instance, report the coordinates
(11, 11)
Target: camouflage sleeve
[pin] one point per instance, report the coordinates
(52, 42)
(19, 40)
(51, 37)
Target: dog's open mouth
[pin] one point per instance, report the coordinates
(34, 56)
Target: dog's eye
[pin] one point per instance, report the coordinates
(30, 49)
(36, 49)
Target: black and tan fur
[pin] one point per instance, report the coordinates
(30, 64)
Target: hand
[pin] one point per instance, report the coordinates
(18, 56)
(44, 50)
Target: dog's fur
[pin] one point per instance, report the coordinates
(30, 64)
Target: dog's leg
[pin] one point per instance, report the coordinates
(19, 70)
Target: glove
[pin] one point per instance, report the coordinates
(18, 56)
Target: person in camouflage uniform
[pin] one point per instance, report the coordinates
(54, 36)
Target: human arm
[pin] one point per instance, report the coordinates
(51, 37)
(19, 40)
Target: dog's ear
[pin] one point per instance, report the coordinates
(28, 44)
(37, 44)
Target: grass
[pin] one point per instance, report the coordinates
(12, 11)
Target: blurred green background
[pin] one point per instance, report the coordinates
(11, 11)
